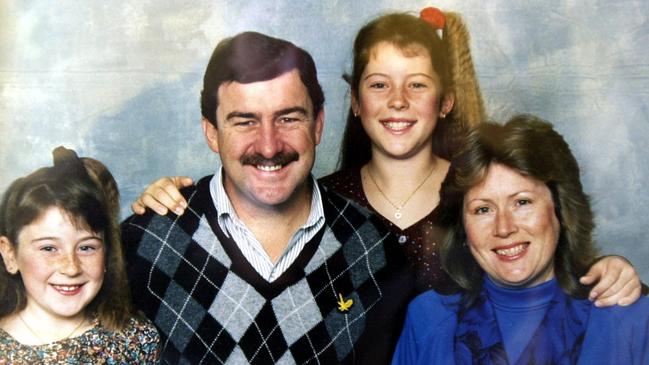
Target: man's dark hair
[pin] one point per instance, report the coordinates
(251, 57)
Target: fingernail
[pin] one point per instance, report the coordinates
(179, 211)
(183, 204)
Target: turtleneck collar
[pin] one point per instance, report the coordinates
(523, 298)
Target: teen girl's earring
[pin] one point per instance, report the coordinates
(442, 115)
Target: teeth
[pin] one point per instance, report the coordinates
(68, 288)
(397, 125)
(269, 168)
(512, 251)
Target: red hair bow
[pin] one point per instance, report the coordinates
(433, 16)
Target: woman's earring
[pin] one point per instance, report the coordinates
(442, 115)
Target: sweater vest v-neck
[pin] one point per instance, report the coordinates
(343, 300)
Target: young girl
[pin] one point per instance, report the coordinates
(414, 94)
(64, 297)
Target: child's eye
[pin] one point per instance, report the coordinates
(90, 246)
(378, 85)
(48, 248)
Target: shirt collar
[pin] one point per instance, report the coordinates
(226, 211)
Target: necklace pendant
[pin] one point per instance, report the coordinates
(397, 214)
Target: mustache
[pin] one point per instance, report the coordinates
(281, 158)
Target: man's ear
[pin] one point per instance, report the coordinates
(211, 134)
(8, 255)
(319, 126)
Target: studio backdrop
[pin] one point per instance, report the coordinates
(120, 81)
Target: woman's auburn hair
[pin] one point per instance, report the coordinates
(530, 146)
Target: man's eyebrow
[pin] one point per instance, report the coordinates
(242, 115)
(295, 109)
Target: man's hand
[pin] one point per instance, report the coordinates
(618, 282)
(162, 195)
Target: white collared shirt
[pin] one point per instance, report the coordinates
(250, 246)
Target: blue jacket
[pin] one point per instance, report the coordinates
(614, 335)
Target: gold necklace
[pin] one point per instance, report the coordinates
(83, 320)
(400, 207)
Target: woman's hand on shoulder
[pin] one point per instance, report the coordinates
(617, 282)
(163, 195)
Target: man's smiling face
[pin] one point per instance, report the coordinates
(266, 136)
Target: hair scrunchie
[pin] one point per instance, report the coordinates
(433, 16)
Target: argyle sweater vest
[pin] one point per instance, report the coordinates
(343, 300)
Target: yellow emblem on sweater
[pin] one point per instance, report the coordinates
(344, 305)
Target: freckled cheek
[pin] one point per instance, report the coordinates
(541, 222)
(476, 243)
(36, 269)
(427, 106)
(476, 226)
(371, 105)
(94, 267)
(475, 234)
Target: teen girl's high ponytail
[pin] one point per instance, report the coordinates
(469, 107)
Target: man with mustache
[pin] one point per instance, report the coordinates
(265, 266)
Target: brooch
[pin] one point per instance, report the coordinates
(344, 305)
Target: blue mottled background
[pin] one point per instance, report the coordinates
(120, 82)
